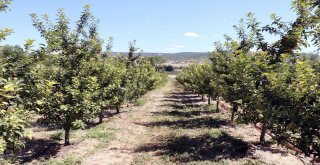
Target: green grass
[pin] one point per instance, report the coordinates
(102, 133)
(140, 102)
(141, 159)
(67, 160)
(212, 106)
(57, 135)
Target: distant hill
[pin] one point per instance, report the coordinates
(174, 56)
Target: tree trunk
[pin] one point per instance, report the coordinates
(202, 97)
(218, 101)
(234, 110)
(67, 135)
(209, 100)
(101, 117)
(263, 131)
(118, 109)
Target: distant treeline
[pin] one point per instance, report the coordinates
(172, 56)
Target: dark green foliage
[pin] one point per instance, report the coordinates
(169, 68)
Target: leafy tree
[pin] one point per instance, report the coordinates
(131, 55)
(13, 62)
(269, 82)
(17, 63)
(13, 116)
(197, 78)
(275, 72)
(80, 82)
(292, 37)
(66, 92)
(4, 5)
(109, 73)
(140, 75)
(157, 61)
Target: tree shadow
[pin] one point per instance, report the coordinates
(182, 106)
(182, 96)
(172, 100)
(43, 124)
(39, 149)
(184, 113)
(185, 149)
(267, 147)
(107, 114)
(180, 93)
(186, 101)
(206, 122)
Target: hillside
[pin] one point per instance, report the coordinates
(173, 56)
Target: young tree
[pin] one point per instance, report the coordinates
(66, 92)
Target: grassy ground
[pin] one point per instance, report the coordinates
(52, 152)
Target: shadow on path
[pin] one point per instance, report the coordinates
(183, 113)
(39, 148)
(204, 122)
(182, 106)
(205, 147)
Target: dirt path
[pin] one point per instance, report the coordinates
(130, 133)
(174, 127)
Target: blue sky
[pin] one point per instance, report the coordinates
(157, 25)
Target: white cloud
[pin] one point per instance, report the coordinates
(205, 37)
(191, 34)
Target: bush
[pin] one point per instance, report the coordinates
(169, 68)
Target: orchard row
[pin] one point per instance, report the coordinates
(68, 80)
(269, 84)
